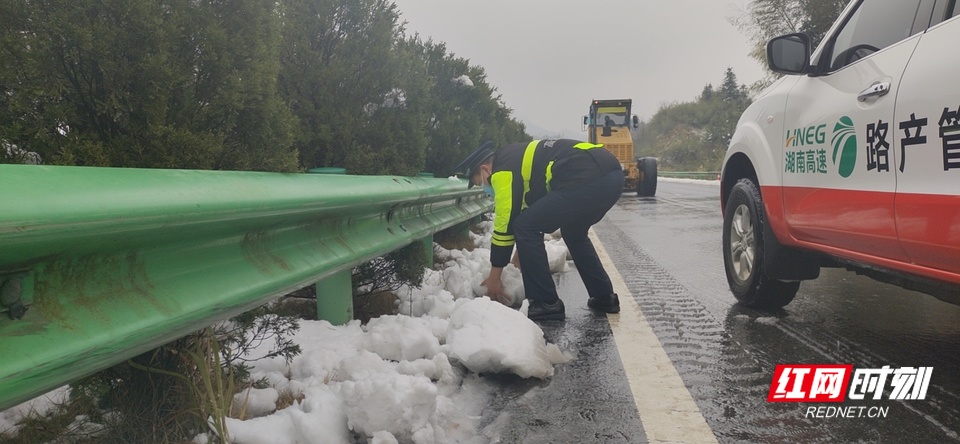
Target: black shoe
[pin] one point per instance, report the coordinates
(540, 311)
(608, 304)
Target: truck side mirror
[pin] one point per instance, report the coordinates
(636, 122)
(789, 54)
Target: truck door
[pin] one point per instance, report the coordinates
(927, 141)
(839, 174)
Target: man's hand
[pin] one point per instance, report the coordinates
(494, 285)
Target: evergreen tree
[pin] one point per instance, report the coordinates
(707, 93)
(140, 83)
(766, 19)
(349, 78)
(246, 85)
(693, 136)
(464, 109)
(240, 63)
(730, 90)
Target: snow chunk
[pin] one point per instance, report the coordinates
(403, 405)
(319, 418)
(486, 336)
(401, 338)
(256, 402)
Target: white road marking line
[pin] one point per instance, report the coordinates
(667, 411)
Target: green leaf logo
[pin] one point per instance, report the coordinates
(844, 146)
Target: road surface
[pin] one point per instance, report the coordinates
(684, 363)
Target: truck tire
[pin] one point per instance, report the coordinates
(743, 254)
(647, 184)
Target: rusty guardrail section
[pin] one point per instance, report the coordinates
(100, 264)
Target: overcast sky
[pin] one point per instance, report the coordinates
(550, 58)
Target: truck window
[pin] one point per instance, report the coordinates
(872, 27)
(945, 10)
(612, 116)
(951, 10)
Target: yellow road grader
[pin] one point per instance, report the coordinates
(609, 122)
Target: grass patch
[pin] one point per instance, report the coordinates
(457, 237)
(374, 305)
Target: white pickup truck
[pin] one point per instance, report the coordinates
(852, 158)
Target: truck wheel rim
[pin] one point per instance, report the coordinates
(742, 243)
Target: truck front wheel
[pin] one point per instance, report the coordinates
(647, 185)
(743, 231)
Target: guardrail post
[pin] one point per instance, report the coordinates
(427, 251)
(335, 298)
(335, 293)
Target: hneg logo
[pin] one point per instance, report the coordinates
(845, 146)
(829, 383)
(805, 151)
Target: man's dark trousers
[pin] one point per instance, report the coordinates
(572, 210)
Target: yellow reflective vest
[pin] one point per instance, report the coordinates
(524, 173)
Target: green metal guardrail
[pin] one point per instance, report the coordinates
(705, 175)
(111, 262)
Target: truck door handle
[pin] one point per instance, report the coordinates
(876, 90)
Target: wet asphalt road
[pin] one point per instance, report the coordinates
(667, 249)
(588, 400)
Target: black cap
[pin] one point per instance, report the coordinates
(475, 159)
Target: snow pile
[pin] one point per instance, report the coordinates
(463, 273)
(409, 377)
